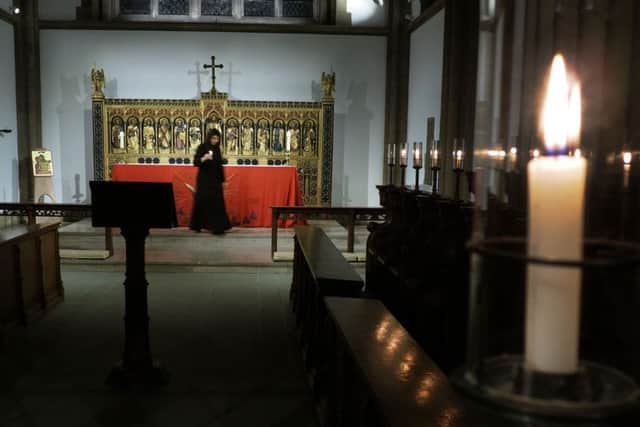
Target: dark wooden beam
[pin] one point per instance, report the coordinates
(213, 27)
(506, 73)
(633, 120)
(8, 17)
(397, 81)
(28, 95)
(427, 14)
(459, 77)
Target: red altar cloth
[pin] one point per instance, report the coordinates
(249, 194)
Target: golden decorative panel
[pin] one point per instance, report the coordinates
(168, 131)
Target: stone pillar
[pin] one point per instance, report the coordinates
(27, 50)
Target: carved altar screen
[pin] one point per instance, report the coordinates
(168, 131)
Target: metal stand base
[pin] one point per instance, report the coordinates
(595, 392)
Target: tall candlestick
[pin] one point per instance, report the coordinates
(121, 139)
(555, 229)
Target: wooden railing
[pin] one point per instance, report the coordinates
(349, 213)
(61, 210)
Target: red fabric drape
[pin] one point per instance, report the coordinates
(249, 193)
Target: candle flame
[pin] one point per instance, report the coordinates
(561, 112)
(626, 157)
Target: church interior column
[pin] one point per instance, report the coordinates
(27, 51)
(397, 87)
(458, 83)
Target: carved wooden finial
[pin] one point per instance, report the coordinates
(97, 82)
(328, 84)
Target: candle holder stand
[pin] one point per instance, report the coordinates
(391, 165)
(403, 169)
(434, 183)
(417, 187)
(602, 389)
(458, 173)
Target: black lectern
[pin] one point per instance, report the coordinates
(135, 207)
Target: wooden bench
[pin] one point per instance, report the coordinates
(349, 214)
(379, 375)
(30, 271)
(319, 269)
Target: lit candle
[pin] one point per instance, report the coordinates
(513, 158)
(555, 228)
(458, 154)
(626, 160)
(391, 154)
(417, 155)
(403, 154)
(435, 153)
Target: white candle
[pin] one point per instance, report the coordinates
(556, 215)
(288, 144)
(121, 139)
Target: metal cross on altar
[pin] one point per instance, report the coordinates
(213, 67)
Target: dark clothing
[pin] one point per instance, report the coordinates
(209, 211)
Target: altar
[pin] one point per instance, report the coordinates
(249, 193)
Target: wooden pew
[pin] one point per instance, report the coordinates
(379, 375)
(30, 271)
(319, 269)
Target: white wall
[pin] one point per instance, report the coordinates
(425, 84)
(264, 67)
(367, 12)
(58, 9)
(8, 142)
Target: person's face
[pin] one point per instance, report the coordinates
(215, 139)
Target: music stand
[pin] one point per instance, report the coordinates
(135, 207)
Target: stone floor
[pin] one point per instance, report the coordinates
(220, 324)
(181, 247)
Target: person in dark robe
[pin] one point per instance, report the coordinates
(209, 211)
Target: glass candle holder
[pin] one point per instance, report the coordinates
(552, 335)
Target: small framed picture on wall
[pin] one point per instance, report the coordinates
(42, 163)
